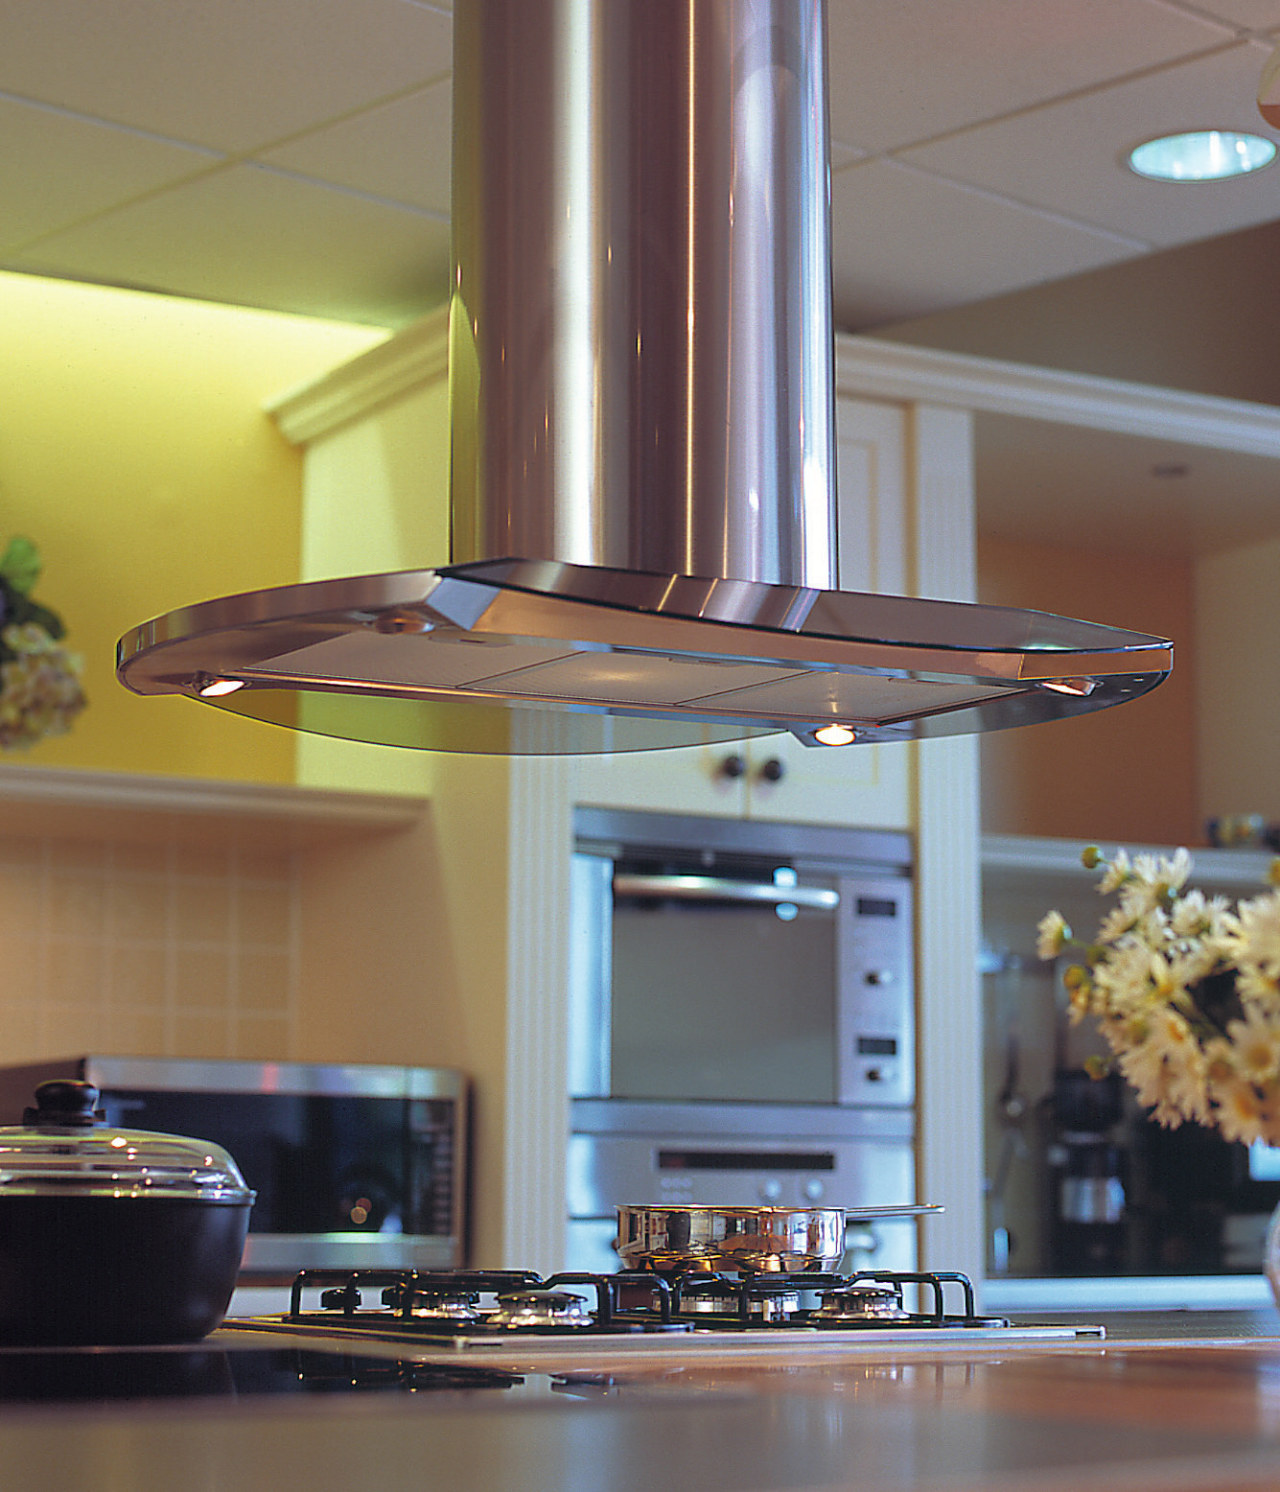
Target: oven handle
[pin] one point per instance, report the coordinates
(715, 888)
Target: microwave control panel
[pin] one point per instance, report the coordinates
(875, 1022)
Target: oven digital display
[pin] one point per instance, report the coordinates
(877, 906)
(877, 1046)
(746, 1160)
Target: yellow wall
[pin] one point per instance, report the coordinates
(135, 453)
(1123, 775)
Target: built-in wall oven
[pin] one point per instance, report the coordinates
(741, 1022)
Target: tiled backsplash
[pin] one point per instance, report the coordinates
(147, 949)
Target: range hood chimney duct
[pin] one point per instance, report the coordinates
(642, 447)
(641, 343)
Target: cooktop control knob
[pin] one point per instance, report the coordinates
(814, 1189)
(770, 1190)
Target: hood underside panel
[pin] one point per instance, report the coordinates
(519, 657)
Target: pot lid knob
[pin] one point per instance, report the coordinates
(65, 1103)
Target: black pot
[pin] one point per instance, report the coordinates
(112, 1236)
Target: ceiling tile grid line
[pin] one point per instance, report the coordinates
(1072, 157)
(212, 162)
(259, 147)
(1029, 111)
(61, 111)
(1243, 29)
(126, 204)
(1067, 220)
(228, 73)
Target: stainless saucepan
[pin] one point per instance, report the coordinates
(776, 1240)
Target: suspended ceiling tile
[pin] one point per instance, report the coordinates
(230, 74)
(904, 73)
(399, 150)
(1258, 14)
(907, 243)
(844, 155)
(1069, 156)
(253, 236)
(57, 168)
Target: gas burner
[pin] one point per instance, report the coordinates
(737, 1301)
(523, 1310)
(748, 1300)
(436, 1305)
(867, 1300)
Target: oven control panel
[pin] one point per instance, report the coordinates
(874, 1016)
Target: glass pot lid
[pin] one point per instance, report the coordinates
(63, 1148)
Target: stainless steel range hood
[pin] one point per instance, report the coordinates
(642, 464)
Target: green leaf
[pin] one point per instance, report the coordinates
(21, 564)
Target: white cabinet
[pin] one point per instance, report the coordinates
(775, 777)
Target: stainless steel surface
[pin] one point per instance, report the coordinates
(680, 1145)
(641, 418)
(609, 831)
(239, 1104)
(719, 888)
(583, 1351)
(641, 318)
(532, 657)
(862, 1302)
(332, 1079)
(676, 998)
(782, 1128)
(768, 1239)
(537, 1308)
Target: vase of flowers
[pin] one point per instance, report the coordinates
(40, 690)
(1185, 991)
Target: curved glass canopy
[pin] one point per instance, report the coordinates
(526, 657)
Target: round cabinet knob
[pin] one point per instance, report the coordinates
(770, 1190)
(733, 767)
(814, 1189)
(773, 770)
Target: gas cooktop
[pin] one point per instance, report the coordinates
(642, 1313)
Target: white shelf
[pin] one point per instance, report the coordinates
(1236, 1292)
(47, 802)
(1023, 855)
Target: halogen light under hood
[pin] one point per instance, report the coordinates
(642, 462)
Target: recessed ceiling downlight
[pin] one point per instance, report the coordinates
(1201, 155)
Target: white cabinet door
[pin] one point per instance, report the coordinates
(687, 779)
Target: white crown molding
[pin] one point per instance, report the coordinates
(869, 368)
(413, 358)
(865, 368)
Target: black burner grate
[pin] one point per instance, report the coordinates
(625, 1302)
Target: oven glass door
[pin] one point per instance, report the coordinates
(724, 999)
(706, 986)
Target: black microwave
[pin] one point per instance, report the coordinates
(357, 1166)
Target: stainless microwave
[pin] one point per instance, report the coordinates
(355, 1166)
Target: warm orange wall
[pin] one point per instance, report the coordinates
(1126, 774)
